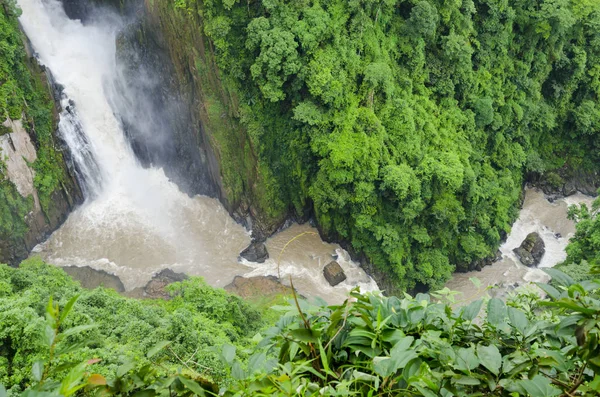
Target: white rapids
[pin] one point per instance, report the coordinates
(135, 221)
(539, 215)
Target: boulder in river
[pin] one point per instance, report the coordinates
(156, 287)
(532, 250)
(256, 252)
(334, 273)
(91, 278)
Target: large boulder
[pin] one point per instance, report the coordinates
(156, 287)
(524, 256)
(532, 250)
(256, 252)
(334, 274)
(91, 278)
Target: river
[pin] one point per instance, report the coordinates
(539, 215)
(135, 221)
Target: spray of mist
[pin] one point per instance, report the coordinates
(135, 221)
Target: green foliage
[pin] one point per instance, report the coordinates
(585, 244)
(373, 345)
(13, 210)
(370, 345)
(405, 127)
(124, 331)
(23, 95)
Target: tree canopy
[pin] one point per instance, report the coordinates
(406, 127)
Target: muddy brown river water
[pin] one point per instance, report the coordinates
(537, 215)
(135, 221)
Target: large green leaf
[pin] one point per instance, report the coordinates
(228, 353)
(237, 372)
(400, 355)
(193, 386)
(549, 290)
(466, 380)
(539, 386)
(304, 335)
(78, 329)
(559, 277)
(158, 347)
(67, 309)
(466, 359)
(472, 310)
(490, 357)
(496, 312)
(37, 370)
(518, 319)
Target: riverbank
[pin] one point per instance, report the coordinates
(540, 213)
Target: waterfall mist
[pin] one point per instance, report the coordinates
(135, 220)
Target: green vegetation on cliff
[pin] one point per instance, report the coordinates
(407, 126)
(24, 94)
(585, 245)
(583, 251)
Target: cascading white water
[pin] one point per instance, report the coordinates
(86, 168)
(134, 221)
(539, 215)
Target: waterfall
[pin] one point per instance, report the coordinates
(82, 59)
(86, 168)
(135, 221)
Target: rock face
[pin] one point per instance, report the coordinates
(479, 264)
(256, 252)
(531, 251)
(524, 256)
(334, 274)
(567, 181)
(202, 146)
(253, 287)
(19, 145)
(92, 278)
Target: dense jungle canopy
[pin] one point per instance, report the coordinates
(408, 126)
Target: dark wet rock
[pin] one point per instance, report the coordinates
(524, 256)
(498, 256)
(156, 287)
(254, 287)
(334, 273)
(92, 278)
(565, 182)
(534, 244)
(479, 264)
(256, 252)
(532, 250)
(501, 290)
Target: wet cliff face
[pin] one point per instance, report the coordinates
(147, 99)
(189, 120)
(155, 112)
(36, 180)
